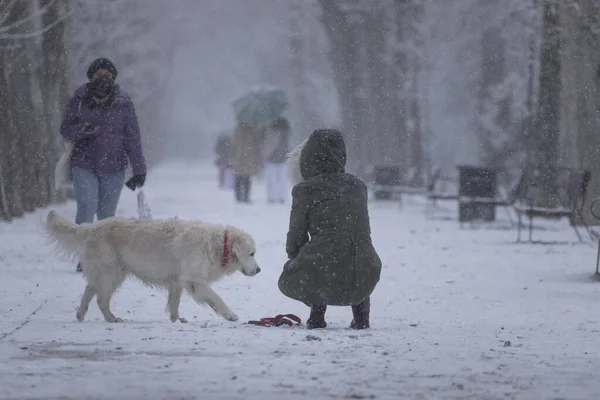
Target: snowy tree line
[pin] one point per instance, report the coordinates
(33, 86)
(394, 59)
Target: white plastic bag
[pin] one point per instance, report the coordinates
(62, 172)
(143, 208)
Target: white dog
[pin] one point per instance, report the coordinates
(166, 254)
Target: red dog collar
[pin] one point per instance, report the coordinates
(225, 249)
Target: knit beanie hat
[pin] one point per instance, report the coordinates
(101, 63)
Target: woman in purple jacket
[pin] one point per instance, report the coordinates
(101, 121)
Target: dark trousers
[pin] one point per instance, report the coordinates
(242, 188)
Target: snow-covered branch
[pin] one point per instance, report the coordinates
(5, 31)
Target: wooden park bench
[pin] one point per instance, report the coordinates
(437, 190)
(568, 192)
(396, 185)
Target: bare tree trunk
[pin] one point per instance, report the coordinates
(529, 123)
(378, 127)
(546, 137)
(5, 135)
(26, 144)
(17, 171)
(21, 90)
(300, 84)
(343, 58)
(399, 66)
(409, 21)
(53, 79)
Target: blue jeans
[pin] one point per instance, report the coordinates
(96, 194)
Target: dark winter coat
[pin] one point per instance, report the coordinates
(116, 140)
(246, 150)
(337, 265)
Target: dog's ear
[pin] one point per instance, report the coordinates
(233, 255)
(238, 248)
(234, 249)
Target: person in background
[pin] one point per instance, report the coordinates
(101, 121)
(246, 159)
(332, 260)
(274, 151)
(223, 162)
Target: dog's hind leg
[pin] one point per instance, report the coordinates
(205, 295)
(88, 295)
(106, 285)
(174, 298)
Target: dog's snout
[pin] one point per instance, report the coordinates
(257, 270)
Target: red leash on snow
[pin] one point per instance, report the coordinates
(278, 320)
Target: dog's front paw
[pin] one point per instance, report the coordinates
(230, 317)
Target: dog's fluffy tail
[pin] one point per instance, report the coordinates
(64, 234)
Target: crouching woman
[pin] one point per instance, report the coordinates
(337, 265)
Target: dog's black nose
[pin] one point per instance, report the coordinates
(257, 270)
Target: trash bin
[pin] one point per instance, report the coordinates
(475, 185)
(386, 176)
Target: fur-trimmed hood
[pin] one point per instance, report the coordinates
(293, 163)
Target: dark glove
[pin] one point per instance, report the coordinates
(136, 182)
(290, 266)
(88, 129)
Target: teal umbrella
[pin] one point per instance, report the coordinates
(260, 107)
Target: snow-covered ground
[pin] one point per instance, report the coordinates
(460, 313)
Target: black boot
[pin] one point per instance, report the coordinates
(317, 317)
(78, 269)
(360, 313)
